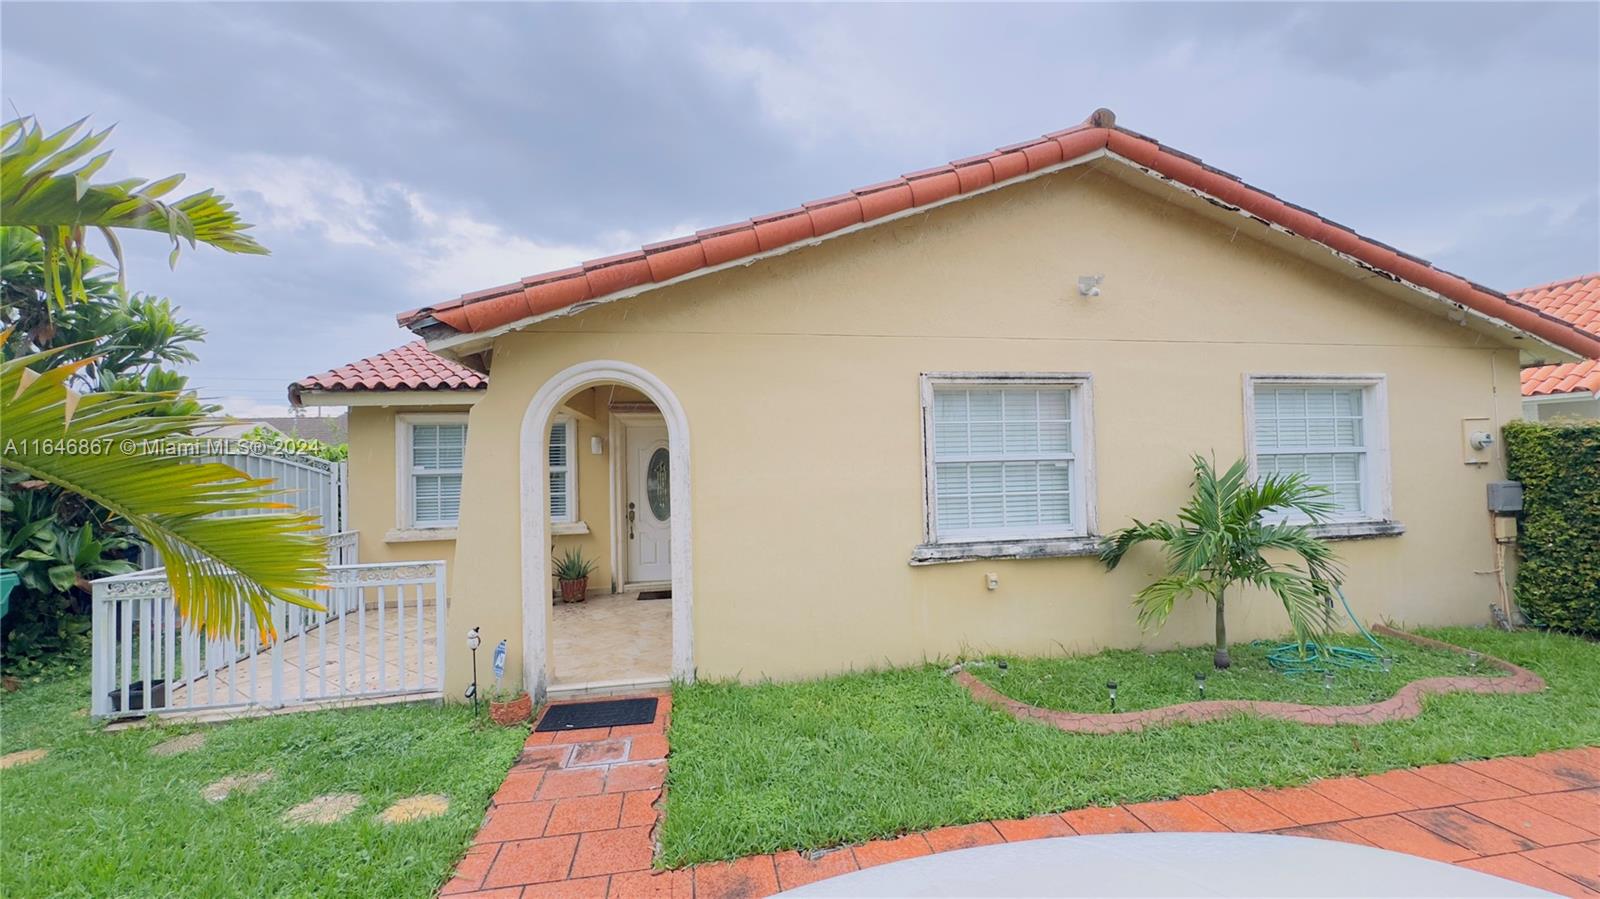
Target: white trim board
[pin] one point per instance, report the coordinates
(391, 397)
(534, 513)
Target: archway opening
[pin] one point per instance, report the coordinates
(605, 491)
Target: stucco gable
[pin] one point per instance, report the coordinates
(467, 323)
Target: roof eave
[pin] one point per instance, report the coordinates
(306, 396)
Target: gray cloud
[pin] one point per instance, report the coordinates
(396, 154)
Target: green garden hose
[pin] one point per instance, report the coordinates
(1288, 658)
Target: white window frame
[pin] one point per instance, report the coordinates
(571, 468)
(405, 475)
(1377, 475)
(1079, 539)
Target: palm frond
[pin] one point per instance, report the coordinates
(1116, 545)
(45, 188)
(1155, 601)
(118, 451)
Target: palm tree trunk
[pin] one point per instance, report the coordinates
(1220, 659)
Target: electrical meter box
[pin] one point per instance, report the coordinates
(1505, 497)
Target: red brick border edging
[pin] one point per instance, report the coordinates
(1405, 704)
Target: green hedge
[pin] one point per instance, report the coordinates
(1558, 582)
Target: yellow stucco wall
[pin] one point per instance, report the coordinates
(799, 377)
(373, 491)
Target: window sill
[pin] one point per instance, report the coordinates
(569, 528)
(419, 535)
(1357, 530)
(1049, 548)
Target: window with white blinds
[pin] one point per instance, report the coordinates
(438, 452)
(563, 470)
(1323, 431)
(1005, 460)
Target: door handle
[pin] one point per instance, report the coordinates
(631, 514)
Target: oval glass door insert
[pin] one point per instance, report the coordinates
(656, 484)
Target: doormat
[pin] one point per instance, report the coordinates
(607, 713)
(655, 594)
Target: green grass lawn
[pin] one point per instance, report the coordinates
(1153, 680)
(807, 765)
(101, 816)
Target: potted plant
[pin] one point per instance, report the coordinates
(510, 712)
(1222, 538)
(573, 571)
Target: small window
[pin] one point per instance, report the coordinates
(1330, 432)
(1007, 457)
(438, 452)
(563, 470)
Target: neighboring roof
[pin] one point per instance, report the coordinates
(654, 264)
(409, 367)
(1576, 300)
(326, 428)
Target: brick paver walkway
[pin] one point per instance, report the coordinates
(577, 814)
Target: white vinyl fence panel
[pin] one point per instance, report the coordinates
(377, 635)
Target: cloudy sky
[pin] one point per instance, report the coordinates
(393, 155)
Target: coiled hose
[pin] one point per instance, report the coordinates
(1287, 658)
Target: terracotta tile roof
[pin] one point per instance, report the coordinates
(653, 264)
(1576, 300)
(409, 367)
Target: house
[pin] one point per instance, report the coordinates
(1567, 389)
(889, 425)
(325, 428)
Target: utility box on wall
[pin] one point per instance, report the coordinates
(1505, 497)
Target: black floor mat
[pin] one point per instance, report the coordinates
(655, 594)
(606, 713)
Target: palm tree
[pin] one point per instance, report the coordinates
(227, 546)
(1221, 539)
(41, 191)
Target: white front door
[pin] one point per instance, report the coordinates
(647, 514)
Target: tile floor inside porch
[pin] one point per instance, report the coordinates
(610, 642)
(576, 817)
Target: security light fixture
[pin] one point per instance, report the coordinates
(1089, 285)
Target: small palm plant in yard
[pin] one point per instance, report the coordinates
(1221, 540)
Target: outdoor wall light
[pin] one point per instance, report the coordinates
(1111, 687)
(1200, 683)
(597, 446)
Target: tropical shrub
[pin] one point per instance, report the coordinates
(1558, 580)
(1221, 538)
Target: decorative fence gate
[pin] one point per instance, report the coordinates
(376, 636)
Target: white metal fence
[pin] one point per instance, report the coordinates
(377, 636)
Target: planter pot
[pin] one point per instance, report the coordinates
(509, 714)
(136, 703)
(572, 591)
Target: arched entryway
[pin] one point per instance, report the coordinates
(535, 512)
